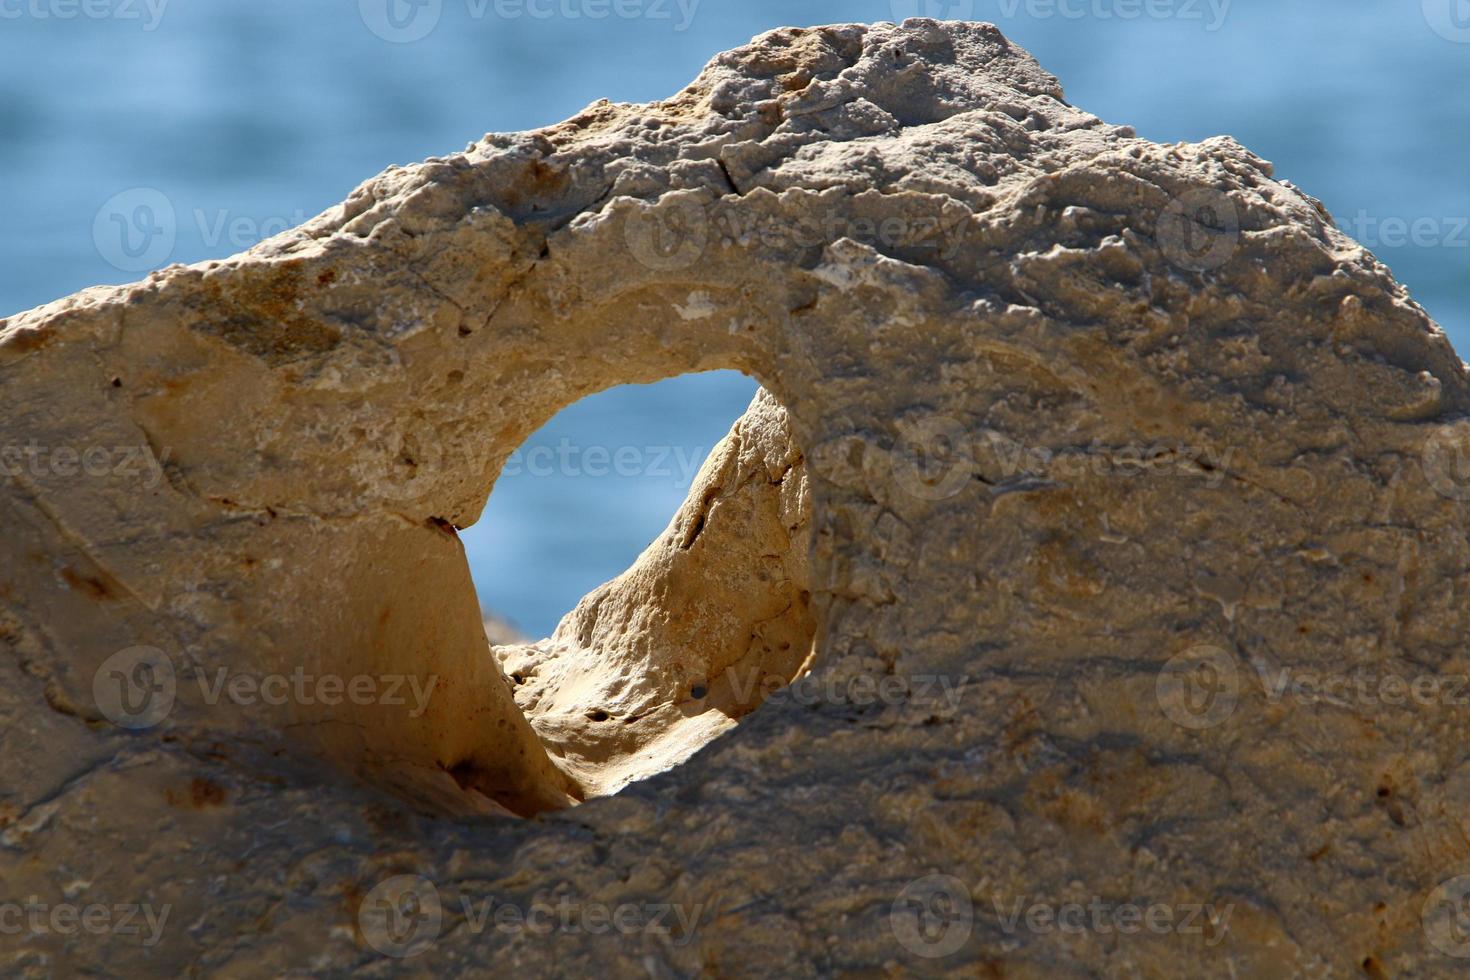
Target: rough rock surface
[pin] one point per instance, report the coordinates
(1086, 442)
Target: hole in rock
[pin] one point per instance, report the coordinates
(678, 627)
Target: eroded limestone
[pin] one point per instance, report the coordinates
(982, 309)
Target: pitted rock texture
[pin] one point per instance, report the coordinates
(1098, 437)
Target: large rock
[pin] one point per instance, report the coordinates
(1109, 493)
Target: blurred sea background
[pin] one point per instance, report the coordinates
(243, 117)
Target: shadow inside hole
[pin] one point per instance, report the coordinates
(672, 649)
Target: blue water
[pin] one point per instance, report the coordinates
(249, 115)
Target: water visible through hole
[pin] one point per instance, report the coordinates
(715, 613)
(586, 493)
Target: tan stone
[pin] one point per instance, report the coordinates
(1100, 440)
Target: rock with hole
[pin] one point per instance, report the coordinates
(1102, 516)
